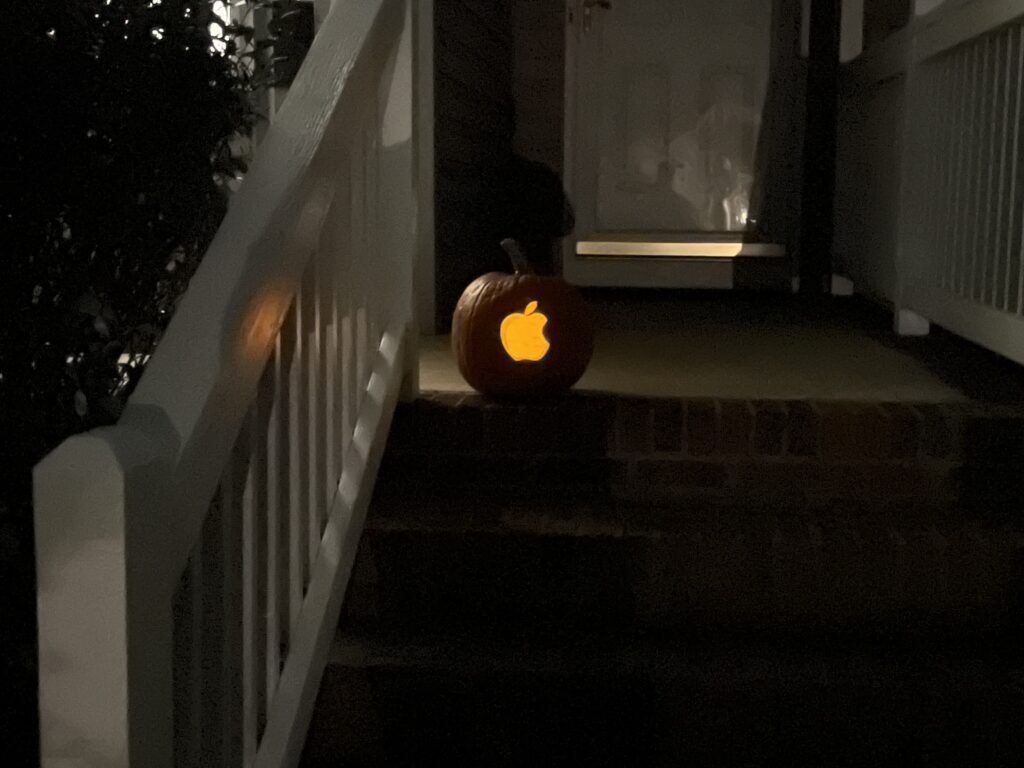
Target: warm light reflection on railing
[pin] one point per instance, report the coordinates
(264, 320)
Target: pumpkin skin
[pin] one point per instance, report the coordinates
(477, 331)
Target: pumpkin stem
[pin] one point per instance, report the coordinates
(519, 260)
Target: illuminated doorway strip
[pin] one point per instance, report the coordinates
(619, 246)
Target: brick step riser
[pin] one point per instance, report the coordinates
(666, 479)
(596, 425)
(655, 449)
(736, 714)
(782, 579)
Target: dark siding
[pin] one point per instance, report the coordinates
(474, 130)
(538, 29)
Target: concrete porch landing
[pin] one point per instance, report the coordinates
(749, 346)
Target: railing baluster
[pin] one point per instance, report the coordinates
(340, 303)
(360, 244)
(934, 270)
(1018, 199)
(284, 360)
(254, 536)
(260, 462)
(944, 166)
(311, 475)
(969, 212)
(373, 216)
(988, 99)
(322, 477)
(946, 159)
(231, 708)
(953, 104)
(1014, 69)
(250, 560)
(188, 673)
(977, 217)
(997, 173)
(198, 588)
(277, 489)
(329, 286)
(997, 286)
(960, 141)
(348, 413)
(362, 358)
(209, 633)
(250, 609)
(298, 450)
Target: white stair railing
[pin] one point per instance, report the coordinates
(192, 559)
(930, 210)
(960, 261)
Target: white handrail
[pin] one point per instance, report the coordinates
(200, 547)
(933, 30)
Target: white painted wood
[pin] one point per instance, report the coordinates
(270, 404)
(909, 323)
(948, 91)
(298, 487)
(279, 525)
(310, 415)
(841, 286)
(959, 238)
(851, 30)
(320, 11)
(194, 691)
(923, 7)
(882, 61)
(959, 21)
(331, 256)
(293, 706)
(230, 705)
(805, 28)
(423, 128)
(251, 638)
(119, 511)
(348, 370)
(98, 621)
(868, 185)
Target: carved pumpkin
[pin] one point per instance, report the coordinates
(523, 334)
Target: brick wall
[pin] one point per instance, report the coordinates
(755, 514)
(761, 449)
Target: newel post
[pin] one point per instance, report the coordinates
(105, 631)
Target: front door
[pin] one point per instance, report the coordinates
(664, 106)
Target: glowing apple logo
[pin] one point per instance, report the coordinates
(522, 334)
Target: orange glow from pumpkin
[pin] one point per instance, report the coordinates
(522, 335)
(263, 321)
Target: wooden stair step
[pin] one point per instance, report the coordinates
(720, 568)
(607, 701)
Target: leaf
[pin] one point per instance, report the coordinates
(530, 308)
(81, 403)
